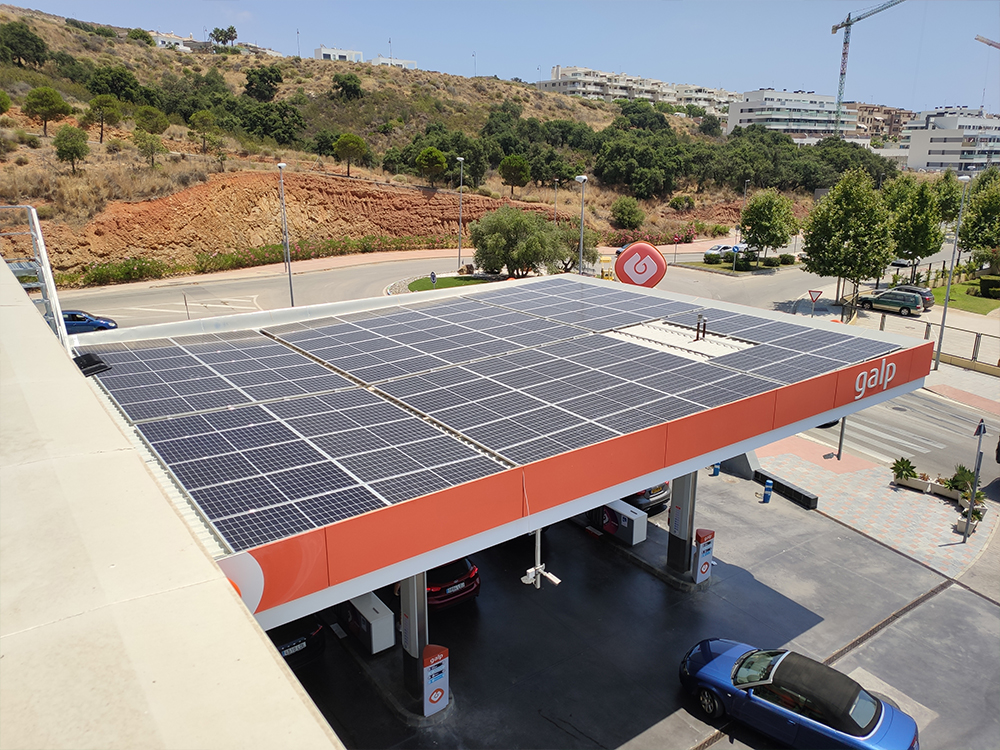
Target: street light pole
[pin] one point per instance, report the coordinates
(951, 271)
(739, 229)
(555, 204)
(284, 231)
(582, 179)
(461, 183)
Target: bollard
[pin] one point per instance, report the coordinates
(715, 470)
(768, 486)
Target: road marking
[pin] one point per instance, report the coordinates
(880, 432)
(920, 713)
(849, 444)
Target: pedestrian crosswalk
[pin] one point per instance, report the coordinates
(915, 424)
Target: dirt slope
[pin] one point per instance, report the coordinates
(242, 209)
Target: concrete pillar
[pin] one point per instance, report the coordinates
(682, 496)
(413, 625)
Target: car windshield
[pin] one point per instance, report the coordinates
(864, 710)
(755, 666)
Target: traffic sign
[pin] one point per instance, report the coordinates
(814, 295)
(434, 279)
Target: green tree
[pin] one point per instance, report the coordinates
(348, 86)
(47, 104)
(568, 246)
(984, 179)
(980, 231)
(150, 119)
(71, 145)
(949, 196)
(203, 123)
(350, 147)
(768, 220)
(626, 213)
(520, 241)
(117, 81)
(848, 233)
(149, 145)
(431, 163)
(223, 36)
(24, 46)
(262, 83)
(897, 191)
(916, 226)
(324, 142)
(4, 102)
(711, 126)
(105, 110)
(141, 35)
(514, 171)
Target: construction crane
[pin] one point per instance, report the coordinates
(990, 42)
(846, 25)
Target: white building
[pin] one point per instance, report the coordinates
(170, 40)
(951, 138)
(253, 49)
(335, 53)
(394, 62)
(599, 84)
(790, 112)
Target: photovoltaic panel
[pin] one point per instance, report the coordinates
(583, 435)
(547, 420)
(468, 470)
(337, 506)
(255, 436)
(554, 391)
(258, 527)
(376, 414)
(192, 447)
(379, 464)
(247, 415)
(177, 427)
(533, 450)
(214, 470)
(438, 451)
(630, 420)
(283, 456)
(237, 497)
(404, 431)
(466, 415)
(500, 434)
(315, 479)
(398, 489)
(348, 442)
(321, 424)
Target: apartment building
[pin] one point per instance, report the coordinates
(878, 120)
(599, 84)
(394, 62)
(965, 140)
(798, 112)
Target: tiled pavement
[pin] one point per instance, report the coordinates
(921, 526)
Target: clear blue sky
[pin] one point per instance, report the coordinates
(917, 55)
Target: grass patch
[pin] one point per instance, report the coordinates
(443, 282)
(962, 300)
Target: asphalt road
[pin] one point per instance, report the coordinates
(206, 296)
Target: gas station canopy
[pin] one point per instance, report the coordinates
(330, 446)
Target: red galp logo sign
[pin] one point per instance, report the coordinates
(640, 264)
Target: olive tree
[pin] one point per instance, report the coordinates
(568, 246)
(520, 241)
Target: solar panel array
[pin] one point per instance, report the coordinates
(276, 432)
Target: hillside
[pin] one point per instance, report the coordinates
(114, 205)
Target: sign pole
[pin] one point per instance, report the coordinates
(814, 295)
(980, 431)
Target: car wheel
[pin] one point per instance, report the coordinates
(866, 305)
(710, 703)
(904, 311)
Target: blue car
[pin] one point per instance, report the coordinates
(78, 321)
(792, 698)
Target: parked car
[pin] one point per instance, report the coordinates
(78, 321)
(902, 263)
(299, 641)
(452, 584)
(925, 294)
(651, 501)
(793, 699)
(905, 303)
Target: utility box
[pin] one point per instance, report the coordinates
(368, 618)
(704, 541)
(624, 522)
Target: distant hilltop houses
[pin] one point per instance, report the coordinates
(351, 55)
(171, 40)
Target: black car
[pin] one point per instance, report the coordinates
(299, 641)
(651, 501)
(923, 292)
(452, 584)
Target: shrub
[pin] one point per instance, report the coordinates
(989, 286)
(743, 264)
(786, 259)
(682, 202)
(626, 213)
(713, 259)
(114, 146)
(21, 161)
(771, 262)
(718, 230)
(123, 271)
(728, 257)
(902, 468)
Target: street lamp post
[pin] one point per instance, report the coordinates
(582, 179)
(739, 229)
(947, 293)
(284, 231)
(461, 183)
(555, 204)
(880, 178)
